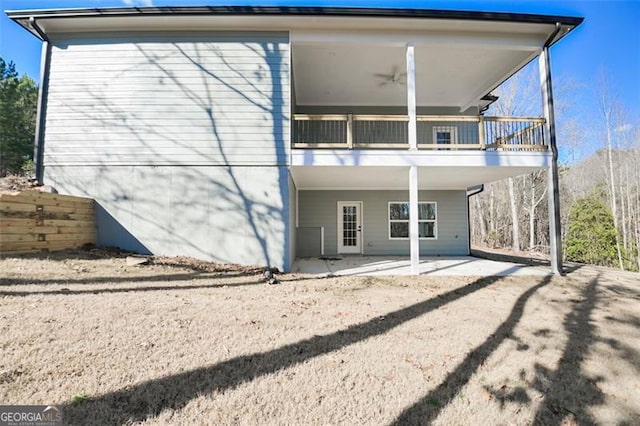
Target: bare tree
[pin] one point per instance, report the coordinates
(514, 217)
(606, 107)
(637, 197)
(534, 201)
(480, 220)
(517, 97)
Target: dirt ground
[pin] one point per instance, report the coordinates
(177, 342)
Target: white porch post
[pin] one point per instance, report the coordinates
(411, 98)
(413, 220)
(555, 236)
(413, 170)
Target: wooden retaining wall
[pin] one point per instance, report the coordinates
(32, 221)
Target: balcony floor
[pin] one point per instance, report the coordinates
(389, 169)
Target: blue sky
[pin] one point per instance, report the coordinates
(608, 41)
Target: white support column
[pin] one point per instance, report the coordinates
(555, 236)
(414, 239)
(350, 131)
(411, 98)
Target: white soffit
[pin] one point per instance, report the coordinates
(446, 75)
(106, 23)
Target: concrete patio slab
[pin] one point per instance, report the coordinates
(398, 265)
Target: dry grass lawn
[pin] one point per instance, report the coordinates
(162, 344)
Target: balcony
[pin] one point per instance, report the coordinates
(441, 133)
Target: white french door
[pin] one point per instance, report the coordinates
(349, 227)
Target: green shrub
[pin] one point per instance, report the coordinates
(591, 237)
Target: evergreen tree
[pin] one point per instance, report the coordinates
(591, 237)
(18, 105)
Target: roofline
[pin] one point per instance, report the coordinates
(299, 10)
(28, 18)
(19, 15)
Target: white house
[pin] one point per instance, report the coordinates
(257, 134)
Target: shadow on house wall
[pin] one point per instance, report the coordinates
(188, 142)
(111, 233)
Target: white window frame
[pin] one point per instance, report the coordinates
(453, 130)
(434, 221)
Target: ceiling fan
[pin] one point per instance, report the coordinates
(394, 78)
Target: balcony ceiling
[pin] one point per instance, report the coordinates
(397, 178)
(447, 74)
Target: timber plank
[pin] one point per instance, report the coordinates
(42, 245)
(70, 223)
(38, 197)
(17, 238)
(86, 237)
(32, 200)
(29, 229)
(14, 252)
(77, 229)
(34, 237)
(82, 217)
(17, 221)
(26, 222)
(47, 229)
(6, 206)
(35, 215)
(22, 207)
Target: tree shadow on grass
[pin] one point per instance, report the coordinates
(258, 279)
(116, 289)
(145, 400)
(522, 259)
(187, 276)
(427, 408)
(568, 392)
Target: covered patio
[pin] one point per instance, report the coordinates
(401, 265)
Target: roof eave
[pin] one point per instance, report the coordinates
(22, 16)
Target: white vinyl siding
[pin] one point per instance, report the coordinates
(214, 99)
(318, 209)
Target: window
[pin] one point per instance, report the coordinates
(399, 220)
(445, 135)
